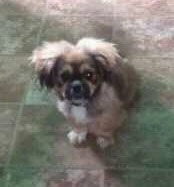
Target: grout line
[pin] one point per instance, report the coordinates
(121, 168)
(10, 103)
(113, 23)
(2, 124)
(102, 179)
(18, 54)
(23, 55)
(91, 15)
(115, 13)
(41, 26)
(53, 105)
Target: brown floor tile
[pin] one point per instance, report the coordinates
(74, 178)
(15, 75)
(8, 113)
(18, 33)
(6, 133)
(136, 177)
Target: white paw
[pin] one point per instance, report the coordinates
(76, 138)
(104, 143)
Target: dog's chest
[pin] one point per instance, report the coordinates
(78, 113)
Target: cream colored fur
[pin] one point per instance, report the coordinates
(101, 47)
(44, 56)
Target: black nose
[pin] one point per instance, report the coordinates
(76, 91)
(77, 88)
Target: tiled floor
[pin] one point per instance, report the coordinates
(34, 150)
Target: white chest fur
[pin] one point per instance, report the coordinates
(79, 113)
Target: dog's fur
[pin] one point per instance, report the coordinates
(112, 88)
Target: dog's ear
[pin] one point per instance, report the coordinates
(47, 77)
(46, 59)
(105, 52)
(108, 59)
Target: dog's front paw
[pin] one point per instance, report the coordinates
(104, 142)
(76, 137)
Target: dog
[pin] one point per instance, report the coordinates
(95, 87)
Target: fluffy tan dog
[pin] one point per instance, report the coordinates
(93, 84)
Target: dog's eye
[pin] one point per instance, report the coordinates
(88, 75)
(65, 76)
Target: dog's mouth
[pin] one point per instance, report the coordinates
(78, 99)
(79, 102)
(77, 93)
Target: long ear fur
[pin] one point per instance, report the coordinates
(45, 57)
(101, 48)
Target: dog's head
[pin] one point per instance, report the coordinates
(75, 72)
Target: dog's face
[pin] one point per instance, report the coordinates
(76, 76)
(77, 72)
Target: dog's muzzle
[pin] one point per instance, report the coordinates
(77, 92)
